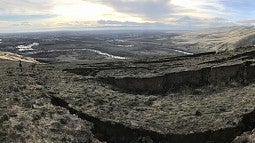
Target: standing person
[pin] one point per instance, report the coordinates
(20, 66)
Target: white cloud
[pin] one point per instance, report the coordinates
(25, 7)
(64, 14)
(90, 11)
(248, 22)
(149, 9)
(203, 9)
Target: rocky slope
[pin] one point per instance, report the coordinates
(198, 98)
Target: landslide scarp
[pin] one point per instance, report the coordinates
(184, 99)
(200, 98)
(163, 75)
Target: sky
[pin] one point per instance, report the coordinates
(52, 15)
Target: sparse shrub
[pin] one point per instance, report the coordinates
(36, 116)
(42, 79)
(28, 104)
(10, 72)
(14, 87)
(5, 117)
(19, 127)
(99, 102)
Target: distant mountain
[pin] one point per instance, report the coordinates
(215, 39)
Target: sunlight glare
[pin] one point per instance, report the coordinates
(82, 11)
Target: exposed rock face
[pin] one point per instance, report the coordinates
(195, 78)
(145, 78)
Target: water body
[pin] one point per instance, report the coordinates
(23, 48)
(92, 50)
(183, 52)
(106, 54)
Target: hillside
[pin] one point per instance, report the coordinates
(16, 57)
(217, 39)
(197, 98)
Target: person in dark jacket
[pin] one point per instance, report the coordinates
(20, 66)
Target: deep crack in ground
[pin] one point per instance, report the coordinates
(113, 132)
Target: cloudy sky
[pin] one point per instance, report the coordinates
(46, 15)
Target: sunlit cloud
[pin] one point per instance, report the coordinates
(247, 22)
(81, 10)
(41, 15)
(198, 8)
(26, 7)
(149, 9)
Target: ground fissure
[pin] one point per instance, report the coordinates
(114, 132)
(211, 102)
